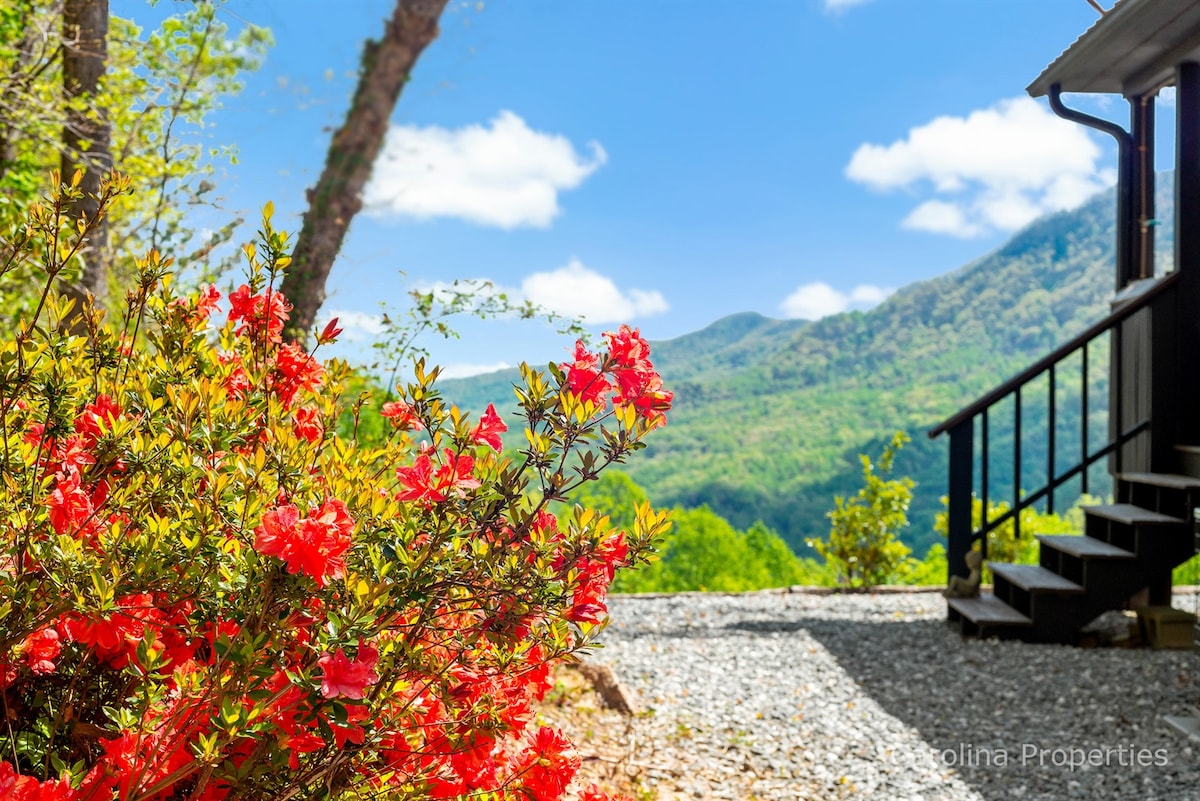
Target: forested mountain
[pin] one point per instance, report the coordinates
(770, 415)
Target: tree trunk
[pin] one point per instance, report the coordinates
(86, 131)
(337, 197)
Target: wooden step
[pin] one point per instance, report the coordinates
(1132, 515)
(1084, 547)
(1035, 578)
(988, 610)
(1167, 480)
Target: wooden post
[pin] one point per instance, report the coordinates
(958, 511)
(1187, 252)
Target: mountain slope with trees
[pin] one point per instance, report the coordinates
(770, 414)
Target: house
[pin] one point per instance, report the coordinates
(1151, 342)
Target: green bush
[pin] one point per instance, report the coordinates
(864, 547)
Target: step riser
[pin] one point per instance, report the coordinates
(1155, 544)
(1028, 603)
(1166, 500)
(1092, 573)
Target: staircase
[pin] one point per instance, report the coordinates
(1127, 547)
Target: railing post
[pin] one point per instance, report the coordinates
(961, 484)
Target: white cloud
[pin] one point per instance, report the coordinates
(465, 370)
(816, 300)
(356, 326)
(505, 174)
(995, 169)
(842, 5)
(1166, 96)
(576, 291)
(940, 217)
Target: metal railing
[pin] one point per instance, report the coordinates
(962, 530)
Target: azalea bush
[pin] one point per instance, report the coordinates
(208, 593)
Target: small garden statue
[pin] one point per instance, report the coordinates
(968, 587)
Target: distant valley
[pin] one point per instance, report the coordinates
(771, 414)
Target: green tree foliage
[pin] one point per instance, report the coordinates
(702, 551)
(159, 86)
(864, 546)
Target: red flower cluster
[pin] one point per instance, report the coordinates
(314, 545)
(422, 482)
(627, 374)
(489, 428)
(308, 424)
(40, 649)
(547, 765)
(262, 314)
(295, 371)
(197, 310)
(14, 787)
(401, 416)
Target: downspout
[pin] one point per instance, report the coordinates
(1125, 221)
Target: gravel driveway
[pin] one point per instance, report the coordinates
(804, 696)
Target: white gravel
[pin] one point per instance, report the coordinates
(801, 696)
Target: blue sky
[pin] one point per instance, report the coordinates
(667, 163)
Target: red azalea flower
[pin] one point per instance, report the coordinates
(628, 348)
(116, 636)
(422, 483)
(583, 376)
(15, 787)
(489, 428)
(418, 482)
(40, 649)
(207, 300)
(259, 313)
(330, 332)
(457, 474)
(69, 505)
(314, 545)
(274, 536)
(308, 424)
(295, 370)
(103, 410)
(401, 416)
(547, 766)
(589, 602)
(348, 678)
(199, 308)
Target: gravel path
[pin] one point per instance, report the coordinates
(802, 696)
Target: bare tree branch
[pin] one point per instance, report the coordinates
(337, 197)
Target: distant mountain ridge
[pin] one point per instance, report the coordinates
(771, 414)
